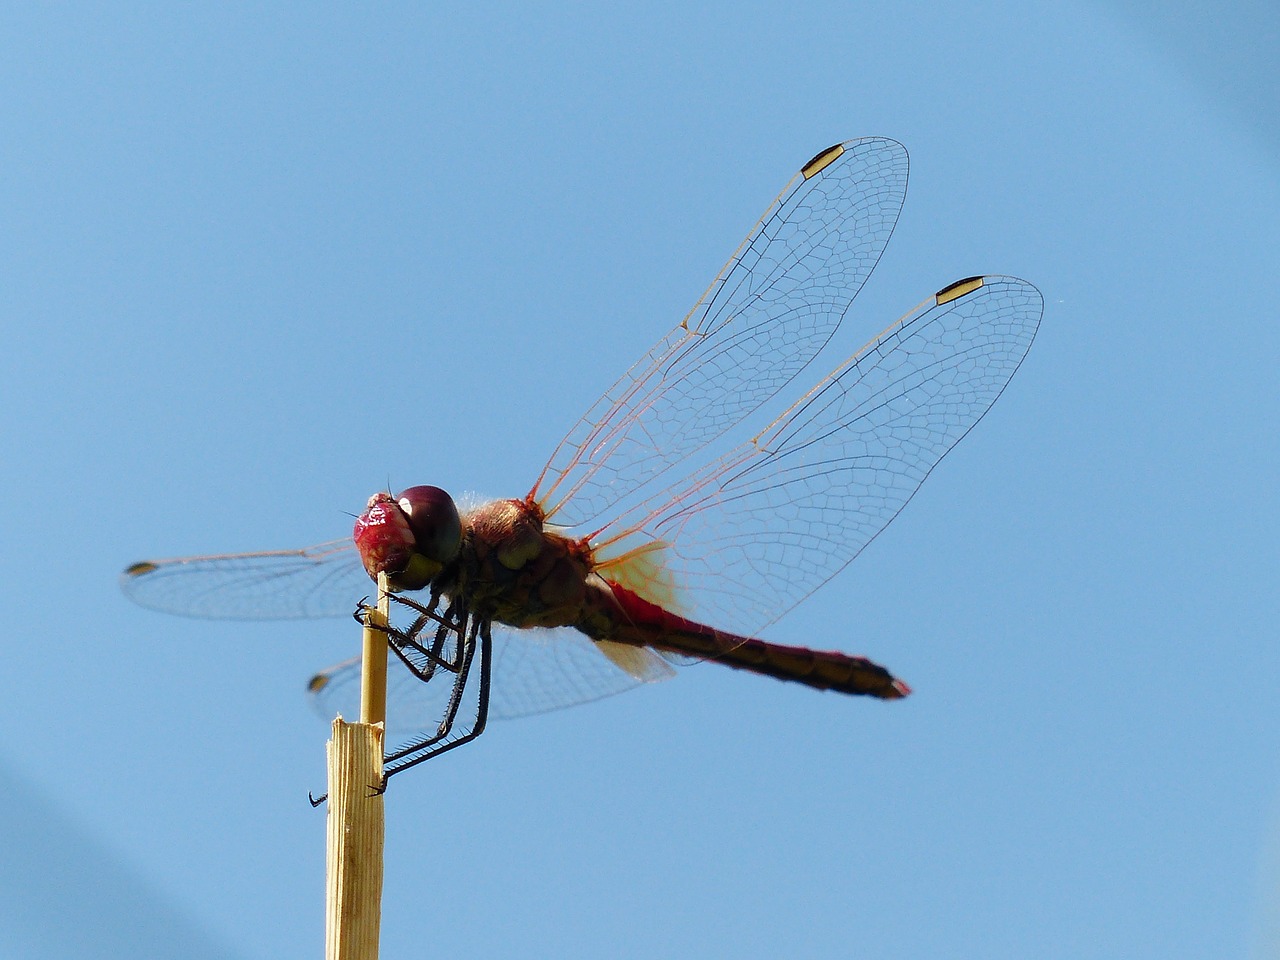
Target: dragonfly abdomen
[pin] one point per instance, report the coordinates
(820, 669)
(641, 623)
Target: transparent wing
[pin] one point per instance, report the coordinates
(321, 581)
(534, 671)
(743, 540)
(768, 313)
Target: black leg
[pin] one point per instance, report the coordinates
(416, 753)
(426, 614)
(455, 699)
(401, 645)
(435, 656)
(466, 629)
(403, 642)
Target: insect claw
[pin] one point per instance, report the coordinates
(361, 616)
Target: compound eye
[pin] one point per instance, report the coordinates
(433, 518)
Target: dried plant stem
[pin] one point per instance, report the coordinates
(356, 826)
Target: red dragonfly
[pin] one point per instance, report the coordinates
(664, 528)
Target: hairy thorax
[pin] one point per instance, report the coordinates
(513, 571)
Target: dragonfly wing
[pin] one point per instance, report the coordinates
(325, 580)
(534, 671)
(640, 663)
(743, 540)
(771, 309)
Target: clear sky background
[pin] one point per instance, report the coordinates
(259, 262)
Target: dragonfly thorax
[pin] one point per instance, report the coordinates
(512, 570)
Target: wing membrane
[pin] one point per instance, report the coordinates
(325, 580)
(752, 534)
(765, 316)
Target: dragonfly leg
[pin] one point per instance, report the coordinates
(405, 642)
(426, 613)
(416, 753)
(455, 696)
(400, 640)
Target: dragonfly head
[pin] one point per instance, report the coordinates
(409, 537)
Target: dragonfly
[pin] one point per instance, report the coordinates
(678, 518)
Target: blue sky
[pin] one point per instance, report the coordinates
(259, 263)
